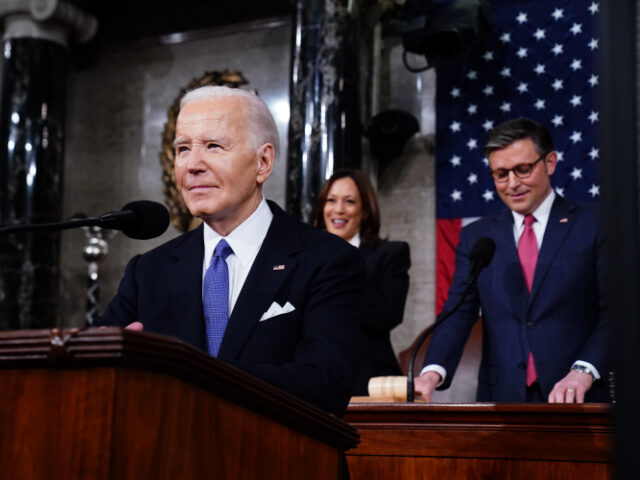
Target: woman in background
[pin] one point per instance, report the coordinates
(347, 207)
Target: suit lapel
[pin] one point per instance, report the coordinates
(262, 283)
(185, 277)
(560, 222)
(507, 248)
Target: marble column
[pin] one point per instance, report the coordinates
(324, 127)
(32, 116)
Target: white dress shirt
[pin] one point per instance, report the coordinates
(245, 241)
(541, 215)
(355, 240)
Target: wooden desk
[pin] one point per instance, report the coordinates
(495, 441)
(111, 404)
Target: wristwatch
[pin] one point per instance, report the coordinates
(583, 369)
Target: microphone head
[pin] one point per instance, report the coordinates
(151, 220)
(482, 251)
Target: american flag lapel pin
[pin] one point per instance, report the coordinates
(564, 220)
(278, 267)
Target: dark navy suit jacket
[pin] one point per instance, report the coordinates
(310, 352)
(385, 295)
(562, 320)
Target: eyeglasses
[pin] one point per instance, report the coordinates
(523, 170)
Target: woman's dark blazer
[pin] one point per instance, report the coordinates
(386, 286)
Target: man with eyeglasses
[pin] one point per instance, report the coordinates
(542, 298)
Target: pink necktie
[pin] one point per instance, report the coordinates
(528, 254)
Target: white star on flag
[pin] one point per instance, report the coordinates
(560, 155)
(505, 72)
(455, 126)
(576, 100)
(576, 28)
(455, 161)
(523, 87)
(521, 18)
(576, 136)
(557, 49)
(455, 92)
(594, 190)
(593, 80)
(594, 153)
(593, 117)
(472, 178)
(557, 120)
(505, 37)
(472, 143)
(472, 75)
(539, 105)
(557, 84)
(472, 109)
(540, 34)
(557, 14)
(505, 107)
(594, 8)
(560, 191)
(593, 44)
(487, 125)
(576, 64)
(488, 90)
(488, 195)
(576, 173)
(456, 195)
(522, 52)
(540, 69)
(488, 56)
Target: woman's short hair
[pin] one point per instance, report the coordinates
(261, 127)
(370, 224)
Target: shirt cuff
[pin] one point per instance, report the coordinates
(435, 368)
(591, 368)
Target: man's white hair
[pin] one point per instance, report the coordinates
(261, 127)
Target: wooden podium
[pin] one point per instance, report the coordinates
(113, 404)
(494, 441)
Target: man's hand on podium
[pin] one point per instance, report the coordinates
(135, 326)
(425, 384)
(571, 389)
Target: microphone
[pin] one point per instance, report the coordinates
(480, 256)
(141, 220)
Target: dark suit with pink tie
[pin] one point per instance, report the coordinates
(562, 319)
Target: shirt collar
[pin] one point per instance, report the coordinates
(245, 240)
(355, 240)
(541, 213)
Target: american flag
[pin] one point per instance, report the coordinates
(538, 62)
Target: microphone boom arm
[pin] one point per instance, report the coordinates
(43, 227)
(441, 318)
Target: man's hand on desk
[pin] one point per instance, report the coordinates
(425, 384)
(571, 389)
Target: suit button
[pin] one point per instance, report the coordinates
(530, 324)
(522, 365)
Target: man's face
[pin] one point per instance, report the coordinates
(218, 171)
(523, 195)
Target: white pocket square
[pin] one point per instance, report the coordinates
(275, 310)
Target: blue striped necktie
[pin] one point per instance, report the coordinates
(215, 297)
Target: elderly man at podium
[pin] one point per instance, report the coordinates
(251, 286)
